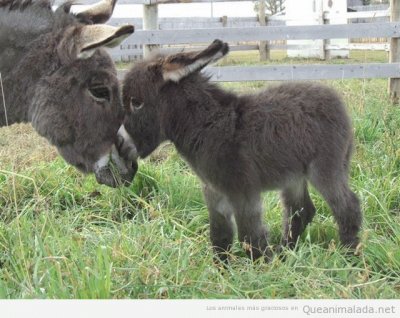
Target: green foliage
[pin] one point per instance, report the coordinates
(64, 236)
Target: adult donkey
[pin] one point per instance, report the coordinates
(279, 138)
(55, 75)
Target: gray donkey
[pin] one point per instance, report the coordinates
(55, 75)
(279, 138)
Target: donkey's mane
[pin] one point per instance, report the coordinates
(22, 4)
(23, 21)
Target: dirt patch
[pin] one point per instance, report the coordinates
(21, 147)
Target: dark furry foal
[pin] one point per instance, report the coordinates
(239, 146)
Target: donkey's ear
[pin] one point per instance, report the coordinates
(177, 66)
(82, 41)
(98, 13)
(94, 36)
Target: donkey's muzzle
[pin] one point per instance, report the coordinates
(116, 169)
(109, 177)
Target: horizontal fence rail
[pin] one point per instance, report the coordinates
(194, 23)
(266, 33)
(358, 15)
(299, 72)
(187, 22)
(148, 2)
(304, 72)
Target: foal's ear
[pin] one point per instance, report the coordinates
(177, 66)
(99, 12)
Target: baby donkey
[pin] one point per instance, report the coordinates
(277, 139)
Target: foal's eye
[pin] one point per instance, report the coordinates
(136, 105)
(100, 93)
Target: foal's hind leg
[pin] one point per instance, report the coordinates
(221, 224)
(333, 185)
(298, 211)
(251, 229)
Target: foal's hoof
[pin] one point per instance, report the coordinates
(353, 246)
(279, 251)
(354, 249)
(255, 253)
(265, 255)
(221, 260)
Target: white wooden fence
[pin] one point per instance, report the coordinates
(132, 49)
(391, 30)
(177, 31)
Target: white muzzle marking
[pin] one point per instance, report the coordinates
(113, 155)
(102, 162)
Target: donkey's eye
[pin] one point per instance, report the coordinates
(100, 93)
(135, 104)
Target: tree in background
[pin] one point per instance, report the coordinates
(271, 6)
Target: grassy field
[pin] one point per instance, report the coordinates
(64, 236)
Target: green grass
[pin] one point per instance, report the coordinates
(64, 236)
(279, 57)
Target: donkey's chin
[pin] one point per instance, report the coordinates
(115, 171)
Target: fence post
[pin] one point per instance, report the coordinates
(224, 21)
(394, 54)
(327, 52)
(263, 45)
(321, 21)
(150, 22)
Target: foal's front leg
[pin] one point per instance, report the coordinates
(249, 221)
(221, 223)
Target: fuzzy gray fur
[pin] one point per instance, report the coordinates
(240, 145)
(45, 83)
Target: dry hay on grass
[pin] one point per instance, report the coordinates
(21, 147)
